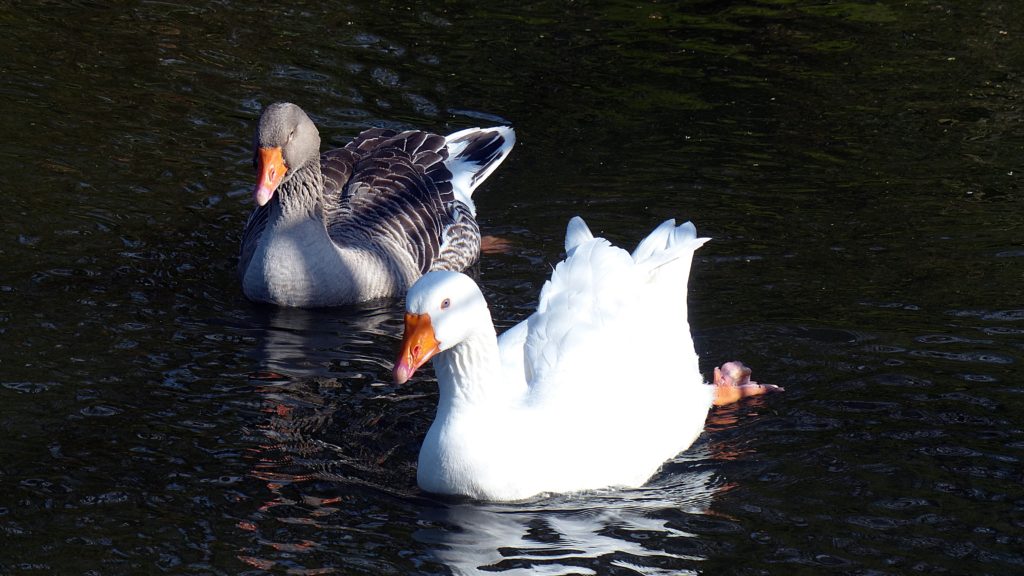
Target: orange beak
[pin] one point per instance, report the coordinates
(418, 346)
(270, 169)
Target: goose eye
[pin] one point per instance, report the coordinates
(445, 303)
(291, 135)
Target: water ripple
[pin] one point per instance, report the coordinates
(30, 387)
(1007, 315)
(982, 357)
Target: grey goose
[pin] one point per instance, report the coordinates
(364, 221)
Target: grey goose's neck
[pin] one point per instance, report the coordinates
(300, 197)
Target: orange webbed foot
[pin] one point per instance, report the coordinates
(732, 383)
(495, 245)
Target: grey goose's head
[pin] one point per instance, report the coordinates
(286, 139)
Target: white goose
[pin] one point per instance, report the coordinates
(597, 388)
(364, 221)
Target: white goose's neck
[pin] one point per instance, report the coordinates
(470, 372)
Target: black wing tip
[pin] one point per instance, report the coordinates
(484, 147)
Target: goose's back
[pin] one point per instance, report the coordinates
(393, 190)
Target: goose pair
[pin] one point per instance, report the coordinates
(597, 388)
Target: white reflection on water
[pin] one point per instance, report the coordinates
(573, 534)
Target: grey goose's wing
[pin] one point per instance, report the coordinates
(399, 189)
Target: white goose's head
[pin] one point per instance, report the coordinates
(285, 140)
(442, 309)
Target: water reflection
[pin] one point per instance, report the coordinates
(323, 380)
(642, 531)
(348, 341)
(332, 442)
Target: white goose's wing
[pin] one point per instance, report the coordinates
(607, 316)
(513, 361)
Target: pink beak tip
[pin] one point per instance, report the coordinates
(262, 194)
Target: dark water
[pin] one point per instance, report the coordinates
(858, 165)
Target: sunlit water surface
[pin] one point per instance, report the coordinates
(857, 165)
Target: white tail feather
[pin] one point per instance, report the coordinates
(470, 172)
(576, 233)
(668, 243)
